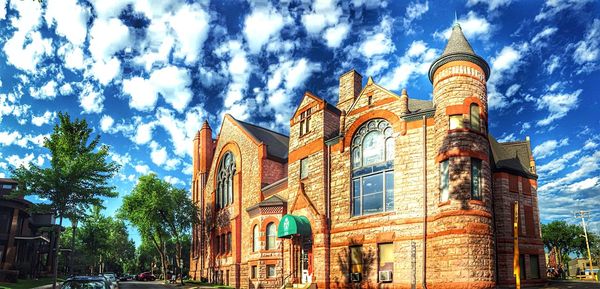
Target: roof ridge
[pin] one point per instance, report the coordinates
(264, 128)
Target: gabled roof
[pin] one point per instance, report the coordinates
(272, 201)
(416, 105)
(277, 144)
(322, 101)
(512, 157)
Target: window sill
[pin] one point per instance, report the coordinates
(381, 214)
(466, 129)
(445, 203)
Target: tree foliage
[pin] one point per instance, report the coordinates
(569, 239)
(78, 174)
(161, 213)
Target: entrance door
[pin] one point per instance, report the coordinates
(306, 262)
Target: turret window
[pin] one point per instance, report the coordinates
(475, 179)
(444, 182)
(456, 121)
(225, 181)
(372, 155)
(475, 119)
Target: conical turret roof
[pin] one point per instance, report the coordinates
(458, 43)
(458, 48)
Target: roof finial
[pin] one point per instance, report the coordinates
(456, 19)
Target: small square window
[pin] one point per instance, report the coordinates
(456, 121)
(254, 272)
(7, 186)
(303, 168)
(271, 271)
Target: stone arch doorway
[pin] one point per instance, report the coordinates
(298, 230)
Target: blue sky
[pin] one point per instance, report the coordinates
(146, 75)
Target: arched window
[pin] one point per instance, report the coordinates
(270, 236)
(475, 121)
(255, 240)
(225, 180)
(373, 168)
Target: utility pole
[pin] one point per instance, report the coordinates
(582, 215)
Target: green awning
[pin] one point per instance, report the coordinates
(293, 225)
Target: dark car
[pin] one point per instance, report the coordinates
(145, 276)
(87, 282)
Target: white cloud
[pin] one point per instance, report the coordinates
(26, 48)
(504, 65)
(66, 89)
(588, 49)
(553, 7)
(91, 100)
(70, 18)
(181, 131)
(552, 64)
(143, 133)
(106, 71)
(556, 165)
(558, 105)
(377, 44)
(107, 9)
(415, 61)
(107, 36)
(323, 13)
(549, 147)
(512, 90)
(142, 92)
(548, 31)
(106, 123)
(3, 9)
(73, 56)
(414, 11)
(172, 163)
(335, 35)
(16, 161)
(158, 154)
(43, 119)
(492, 4)
(473, 26)
(190, 41)
(142, 169)
(48, 91)
(583, 185)
(174, 180)
(590, 144)
(173, 83)
(260, 26)
(507, 138)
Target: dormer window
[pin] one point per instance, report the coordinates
(305, 122)
(225, 181)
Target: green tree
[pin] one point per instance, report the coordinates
(161, 212)
(78, 174)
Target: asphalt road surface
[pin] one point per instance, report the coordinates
(142, 285)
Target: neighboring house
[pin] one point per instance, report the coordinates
(24, 238)
(380, 190)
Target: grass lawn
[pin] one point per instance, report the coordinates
(26, 284)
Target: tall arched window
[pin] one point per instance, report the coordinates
(373, 168)
(270, 236)
(255, 240)
(225, 180)
(475, 121)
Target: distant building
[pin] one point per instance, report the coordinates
(24, 238)
(380, 190)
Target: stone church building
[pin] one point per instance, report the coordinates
(376, 191)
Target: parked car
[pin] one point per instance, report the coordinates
(109, 281)
(88, 282)
(111, 276)
(126, 277)
(145, 276)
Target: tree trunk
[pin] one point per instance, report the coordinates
(55, 258)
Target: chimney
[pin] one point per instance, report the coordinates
(404, 102)
(350, 87)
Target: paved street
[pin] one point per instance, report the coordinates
(143, 285)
